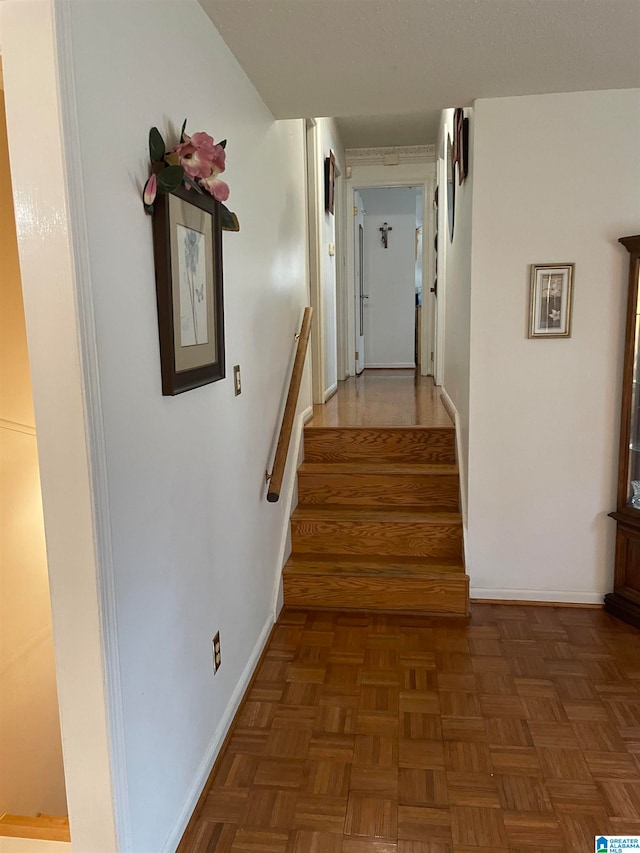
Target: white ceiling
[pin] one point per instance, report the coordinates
(391, 57)
(388, 130)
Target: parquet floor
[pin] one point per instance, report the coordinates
(518, 729)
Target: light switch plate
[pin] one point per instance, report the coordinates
(237, 380)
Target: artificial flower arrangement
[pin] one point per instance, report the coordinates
(195, 162)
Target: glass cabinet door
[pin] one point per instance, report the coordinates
(633, 472)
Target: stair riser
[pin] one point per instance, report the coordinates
(379, 490)
(449, 595)
(366, 445)
(374, 537)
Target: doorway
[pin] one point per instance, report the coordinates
(388, 276)
(365, 308)
(32, 777)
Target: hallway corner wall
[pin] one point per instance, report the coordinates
(557, 179)
(329, 139)
(454, 287)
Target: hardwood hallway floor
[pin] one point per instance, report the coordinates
(384, 398)
(378, 523)
(518, 729)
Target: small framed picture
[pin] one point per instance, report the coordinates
(187, 241)
(329, 182)
(550, 305)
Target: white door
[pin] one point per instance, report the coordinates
(360, 295)
(389, 262)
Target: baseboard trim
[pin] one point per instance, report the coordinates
(453, 414)
(331, 390)
(398, 366)
(448, 403)
(201, 784)
(561, 597)
(522, 602)
(287, 496)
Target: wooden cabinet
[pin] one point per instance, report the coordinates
(624, 601)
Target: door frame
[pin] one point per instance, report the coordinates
(380, 180)
(358, 278)
(41, 114)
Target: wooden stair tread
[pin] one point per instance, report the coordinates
(378, 525)
(438, 594)
(396, 515)
(323, 564)
(377, 428)
(406, 469)
(41, 827)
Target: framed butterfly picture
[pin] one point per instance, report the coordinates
(187, 241)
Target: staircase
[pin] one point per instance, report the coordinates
(378, 526)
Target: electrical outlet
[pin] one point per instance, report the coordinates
(217, 658)
(237, 381)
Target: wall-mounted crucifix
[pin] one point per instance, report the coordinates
(385, 234)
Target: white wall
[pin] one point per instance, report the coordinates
(454, 294)
(328, 139)
(389, 277)
(192, 543)
(195, 543)
(32, 775)
(556, 178)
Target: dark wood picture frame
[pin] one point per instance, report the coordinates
(458, 116)
(450, 177)
(463, 157)
(329, 182)
(461, 144)
(190, 318)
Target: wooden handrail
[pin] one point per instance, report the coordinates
(282, 448)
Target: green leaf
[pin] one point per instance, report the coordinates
(228, 221)
(184, 127)
(223, 144)
(156, 146)
(193, 184)
(169, 179)
(148, 208)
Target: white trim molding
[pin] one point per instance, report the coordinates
(396, 366)
(289, 498)
(330, 391)
(376, 156)
(40, 111)
(96, 441)
(549, 596)
(453, 412)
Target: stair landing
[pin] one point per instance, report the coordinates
(377, 525)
